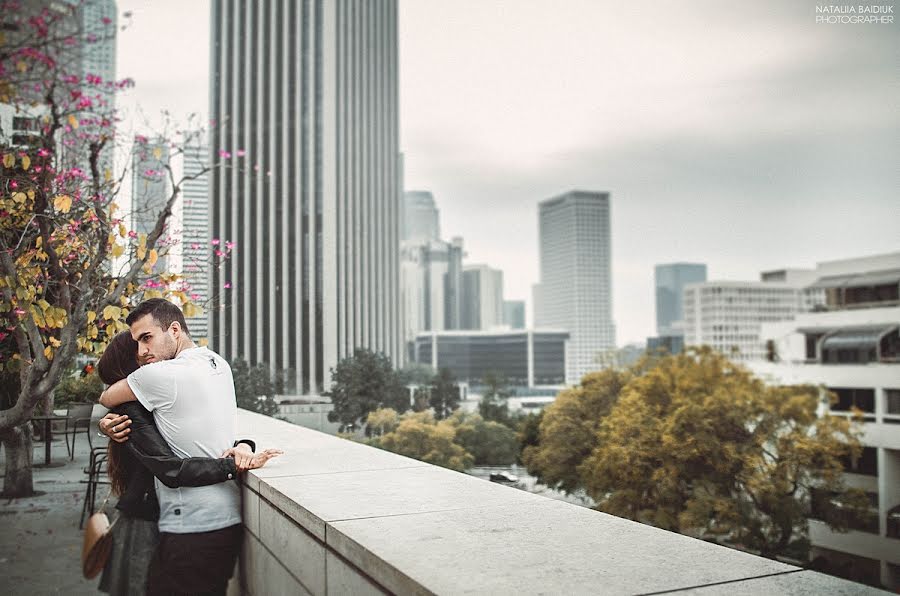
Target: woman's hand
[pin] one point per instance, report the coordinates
(260, 459)
(115, 427)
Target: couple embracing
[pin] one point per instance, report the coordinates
(173, 458)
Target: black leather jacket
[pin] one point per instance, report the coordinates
(147, 455)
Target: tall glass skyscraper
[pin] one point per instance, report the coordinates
(670, 281)
(304, 100)
(575, 291)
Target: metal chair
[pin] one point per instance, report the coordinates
(96, 471)
(78, 418)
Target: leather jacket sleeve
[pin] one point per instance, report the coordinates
(151, 450)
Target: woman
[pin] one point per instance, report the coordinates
(132, 467)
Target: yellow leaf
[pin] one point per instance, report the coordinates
(22, 66)
(141, 252)
(153, 257)
(91, 316)
(26, 162)
(9, 160)
(202, 342)
(117, 250)
(107, 175)
(62, 203)
(92, 331)
(157, 152)
(39, 241)
(55, 342)
(152, 294)
(111, 312)
(73, 121)
(122, 231)
(19, 197)
(43, 304)
(48, 353)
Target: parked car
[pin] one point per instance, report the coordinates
(504, 477)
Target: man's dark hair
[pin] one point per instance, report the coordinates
(162, 311)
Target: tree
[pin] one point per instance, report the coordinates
(490, 443)
(421, 437)
(528, 433)
(568, 429)
(418, 377)
(382, 421)
(255, 387)
(696, 444)
(493, 404)
(362, 383)
(443, 394)
(74, 388)
(61, 232)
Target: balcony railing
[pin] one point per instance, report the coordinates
(336, 517)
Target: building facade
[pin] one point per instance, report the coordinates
(151, 188)
(575, 288)
(482, 297)
(514, 314)
(670, 280)
(304, 97)
(198, 254)
(431, 278)
(527, 358)
(727, 316)
(421, 218)
(851, 348)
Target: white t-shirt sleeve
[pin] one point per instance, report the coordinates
(154, 386)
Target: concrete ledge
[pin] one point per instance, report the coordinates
(336, 517)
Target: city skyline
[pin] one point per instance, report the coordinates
(768, 149)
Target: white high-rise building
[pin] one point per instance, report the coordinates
(421, 218)
(482, 298)
(575, 289)
(198, 254)
(430, 285)
(150, 190)
(850, 347)
(304, 95)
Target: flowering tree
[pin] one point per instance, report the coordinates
(70, 267)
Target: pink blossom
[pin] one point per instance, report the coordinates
(229, 244)
(241, 153)
(219, 253)
(224, 154)
(132, 234)
(214, 242)
(106, 20)
(193, 297)
(227, 286)
(195, 245)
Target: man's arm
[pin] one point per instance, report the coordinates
(116, 394)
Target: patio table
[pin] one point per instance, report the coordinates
(48, 420)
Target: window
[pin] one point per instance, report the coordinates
(847, 399)
(892, 401)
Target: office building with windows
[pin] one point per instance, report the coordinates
(482, 297)
(525, 358)
(850, 347)
(575, 288)
(304, 97)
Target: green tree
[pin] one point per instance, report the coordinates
(528, 432)
(696, 444)
(493, 404)
(490, 443)
(361, 384)
(421, 437)
(443, 394)
(568, 429)
(255, 387)
(77, 389)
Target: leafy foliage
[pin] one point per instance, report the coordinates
(443, 394)
(363, 383)
(490, 443)
(420, 436)
(255, 387)
(493, 404)
(75, 388)
(696, 444)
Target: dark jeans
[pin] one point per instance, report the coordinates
(194, 564)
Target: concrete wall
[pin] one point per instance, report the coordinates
(336, 517)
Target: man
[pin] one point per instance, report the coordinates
(190, 391)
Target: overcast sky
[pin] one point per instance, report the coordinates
(742, 135)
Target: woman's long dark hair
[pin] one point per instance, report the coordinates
(117, 362)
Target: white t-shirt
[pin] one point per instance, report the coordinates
(193, 404)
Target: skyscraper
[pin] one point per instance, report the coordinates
(150, 190)
(195, 244)
(482, 297)
(420, 217)
(575, 289)
(670, 281)
(514, 313)
(304, 97)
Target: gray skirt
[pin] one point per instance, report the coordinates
(134, 542)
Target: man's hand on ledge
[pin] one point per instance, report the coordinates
(115, 427)
(244, 459)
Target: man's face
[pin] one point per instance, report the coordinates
(154, 342)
